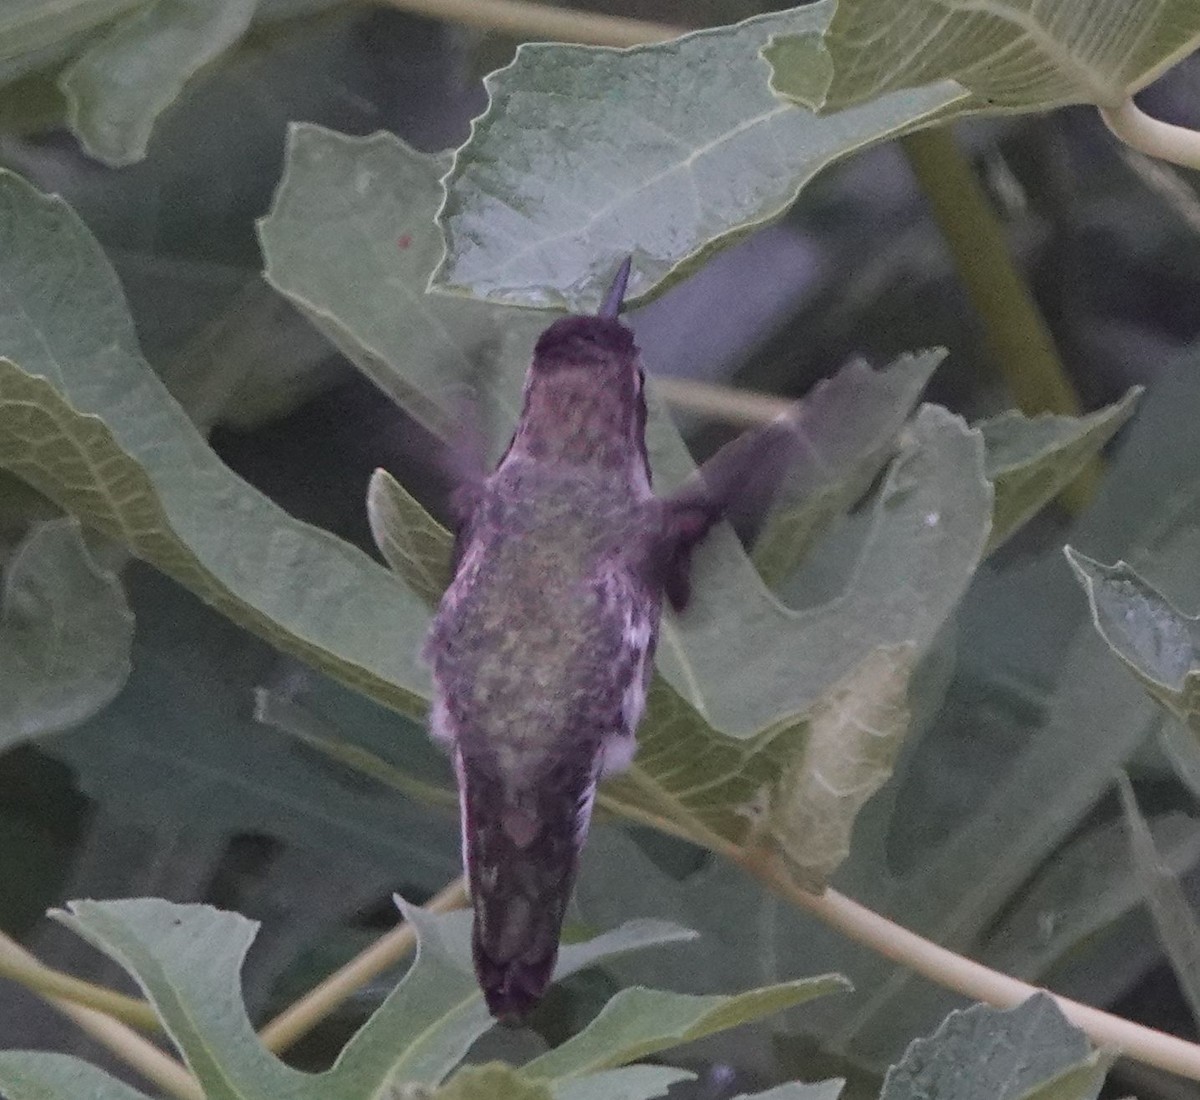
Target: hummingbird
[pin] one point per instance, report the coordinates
(542, 647)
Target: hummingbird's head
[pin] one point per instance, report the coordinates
(583, 394)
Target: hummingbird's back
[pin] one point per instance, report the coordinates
(540, 653)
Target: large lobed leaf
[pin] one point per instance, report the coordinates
(187, 959)
(350, 241)
(85, 421)
(675, 150)
(668, 151)
(65, 634)
(1011, 54)
(928, 528)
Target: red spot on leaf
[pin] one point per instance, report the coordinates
(405, 241)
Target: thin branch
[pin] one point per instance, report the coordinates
(743, 407)
(18, 965)
(1015, 330)
(1176, 144)
(71, 996)
(135, 1051)
(301, 1017)
(972, 979)
(523, 19)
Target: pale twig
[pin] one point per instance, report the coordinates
(1176, 144)
(742, 407)
(301, 1017)
(523, 19)
(134, 1050)
(18, 965)
(974, 980)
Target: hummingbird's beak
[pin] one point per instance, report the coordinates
(616, 292)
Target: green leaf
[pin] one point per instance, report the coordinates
(1008, 53)
(65, 634)
(984, 1053)
(854, 735)
(40, 1075)
(415, 545)
(351, 241)
(848, 425)
(122, 82)
(179, 748)
(34, 35)
(494, 1081)
(669, 151)
(1080, 1082)
(1173, 914)
(927, 531)
(1155, 640)
(638, 1022)
(1029, 460)
(187, 959)
(85, 421)
(288, 716)
(627, 1083)
(424, 1029)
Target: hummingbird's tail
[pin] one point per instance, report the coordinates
(521, 843)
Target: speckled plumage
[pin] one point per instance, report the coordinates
(542, 646)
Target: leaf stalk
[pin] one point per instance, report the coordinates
(1155, 138)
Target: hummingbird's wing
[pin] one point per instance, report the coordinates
(737, 484)
(457, 455)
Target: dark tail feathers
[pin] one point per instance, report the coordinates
(522, 851)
